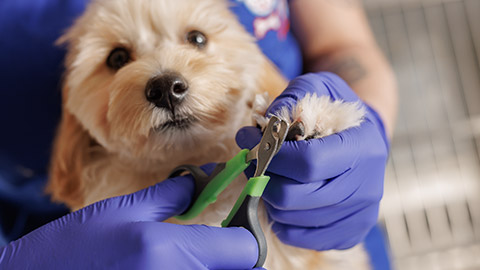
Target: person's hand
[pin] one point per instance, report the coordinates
(324, 193)
(126, 232)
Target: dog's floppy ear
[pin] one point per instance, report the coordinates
(271, 80)
(70, 155)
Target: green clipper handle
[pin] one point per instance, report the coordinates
(244, 214)
(233, 168)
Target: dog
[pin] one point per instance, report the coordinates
(150, 85)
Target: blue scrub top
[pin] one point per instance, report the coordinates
(30, 83)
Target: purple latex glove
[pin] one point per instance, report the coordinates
(324, 193)
(127, 232)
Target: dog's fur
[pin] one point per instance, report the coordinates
(110, 141)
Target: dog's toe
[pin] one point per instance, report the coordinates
(296, 131)
(315, 117)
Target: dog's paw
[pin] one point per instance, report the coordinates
(315, 117)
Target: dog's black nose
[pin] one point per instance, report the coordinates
(166, 90)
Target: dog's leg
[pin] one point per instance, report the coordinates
(313, 116)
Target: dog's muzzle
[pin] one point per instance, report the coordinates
(166, 90)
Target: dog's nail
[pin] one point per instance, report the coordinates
(296, 131)
(314, 135)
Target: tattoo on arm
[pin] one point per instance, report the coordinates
(350, 69)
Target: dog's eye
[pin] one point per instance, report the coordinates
(118, 58)
(197, 39)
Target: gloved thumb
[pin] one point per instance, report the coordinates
(161, 201)
(204, 246)
(248, 137)
(320, 84)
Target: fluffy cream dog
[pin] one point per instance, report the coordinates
(151, 85)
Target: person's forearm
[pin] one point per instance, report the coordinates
(368, 73)
(335, 36)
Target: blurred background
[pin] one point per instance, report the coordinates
(431, 206)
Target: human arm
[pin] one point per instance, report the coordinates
(334, 36)
(128, 232)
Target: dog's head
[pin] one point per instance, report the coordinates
(145, 76)
(151, 80)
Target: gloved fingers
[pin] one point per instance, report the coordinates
(286, 194)
(363, 186)
(344, 234)
(318, 217)
(159, 202)
(200, 246)
(317, 159)
(250, 170)
(209, 167)
(248, 137)
(321, 84)
(327, 157)
(308, 161)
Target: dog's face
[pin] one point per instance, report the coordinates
(150, 77)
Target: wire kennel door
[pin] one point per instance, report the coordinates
(431, 206)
